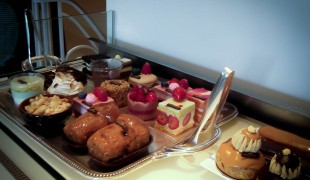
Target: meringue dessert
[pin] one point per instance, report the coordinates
(65, 84)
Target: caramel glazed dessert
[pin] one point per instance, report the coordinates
(240, 157)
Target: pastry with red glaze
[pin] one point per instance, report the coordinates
(142, 102)
(143, 77)
(239, 157)
(175, 115)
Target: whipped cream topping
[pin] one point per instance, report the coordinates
(65, 83)
(282, 169)
(243, 144)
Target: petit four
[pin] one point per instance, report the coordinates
(165, 88)
(200, 96)
(175, 115)
(85, 101)
(117, 90)
(145, 77)
(239, 157)
(142, 102)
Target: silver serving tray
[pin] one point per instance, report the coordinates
(81, 162)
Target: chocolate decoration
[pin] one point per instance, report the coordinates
(115, 83)
(92, 110)
(250, 155)
(87, 103)
(173, 106)
(199, 97)
(136, 76)
(22, 81)
(168, 90)
(122, 125)
(55, 86)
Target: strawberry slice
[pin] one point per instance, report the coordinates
(173, 122)
(146, 68)
(186, 119)
(162, 118)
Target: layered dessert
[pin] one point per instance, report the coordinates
(143, 77)
(117, 90)
(239, 157)
(85, 101)
(175, 115)
(200, 97)
(165, 88)
(142, 102)
(66, 85)
(25, 85)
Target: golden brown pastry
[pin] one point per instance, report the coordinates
(126, 135)
(239, 157)
(79, 130)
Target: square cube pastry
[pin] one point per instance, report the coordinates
(175, 117)
(200, 97)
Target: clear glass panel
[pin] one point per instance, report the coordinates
(66, 38)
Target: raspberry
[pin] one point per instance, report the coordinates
(97, 90)
(102, 96)
(133, 95)
(151, 97)
(184, 83)
(146, 68)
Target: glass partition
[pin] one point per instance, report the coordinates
(66, 38)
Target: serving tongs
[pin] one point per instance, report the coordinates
(207, 133)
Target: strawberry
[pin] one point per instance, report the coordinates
(140, 97)
(179, 94)
(186, 119)
(133, 95)
(174, 80)
(173, 122)
(97, 90)
(184, 84)
(151, 97)
(146, 68)
(162, 118)
(102, 96)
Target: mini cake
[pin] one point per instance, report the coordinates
(287, 165)
(164, 90)
(127, 67)
(66, 85)
(175, 115)
(200, 97)
(117, 90)
(240, 157)
(85, 101)
(145, 77)
(142, 102)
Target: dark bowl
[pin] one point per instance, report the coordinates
(45, 123)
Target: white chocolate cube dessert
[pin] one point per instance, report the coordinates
(175, 117)
(200, 97)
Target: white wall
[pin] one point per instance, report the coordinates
(267, 42)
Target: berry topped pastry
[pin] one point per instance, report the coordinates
(143, 77)
(164, 90)
(142, 102)
(85, 101)
(175, 115)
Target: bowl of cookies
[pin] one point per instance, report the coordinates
(46, 112)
